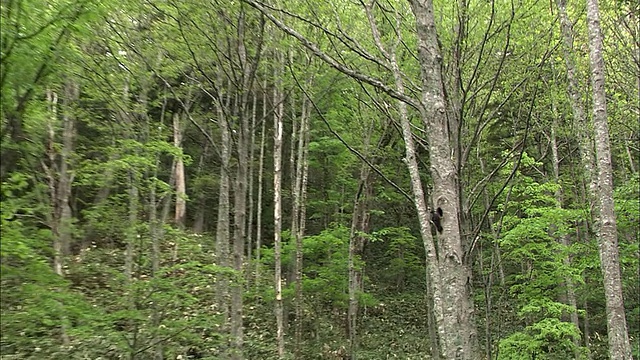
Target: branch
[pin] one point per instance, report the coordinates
(346, 144)
(516, 167)
(333, 62)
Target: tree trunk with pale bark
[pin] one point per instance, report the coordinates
(278, 100)
(260, 186)
(223, 221)
(181, 188)
(453, 306)
(359, 226)
(619, 345)
(59, 173)
(298, 222)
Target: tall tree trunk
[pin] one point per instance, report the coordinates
(456, 326)
(66, 176)
(132, 231)
(133, 192)
(179, 176)
(154, 233)
(296, 182)
(298, 218)
(580, 123)
(222, 226)
(60, 178)
(433, 272)
(278, 98)
(432, 277)
(50, 170)
(239, 232)
(59, 174)
(65, 179)
(181, 190)
(250, 189)
(260, 183)
(619, 346)
(198, 222)
(300, 237)
(359, 226)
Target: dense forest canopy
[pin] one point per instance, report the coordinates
(344, 179)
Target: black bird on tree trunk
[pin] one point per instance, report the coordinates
(436, 219)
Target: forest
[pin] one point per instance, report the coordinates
(329, 179)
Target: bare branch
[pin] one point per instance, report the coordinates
(355, 74)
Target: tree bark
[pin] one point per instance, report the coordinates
(250, 189)
(619, 346)
(295, 179)
(581, 127)
(154, 233)
(359, 226)
(452, 300)
(181, 189)
(278, 98)
(298, 217)
(65, 179)
(60, 178)
(199, 218)
(59, 173)
(50, 169)
(223, 222)
(260, 185)
(580, 123)
(239, 232)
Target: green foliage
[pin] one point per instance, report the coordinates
(627, 207)
(403, 260)
(325, 270)
(95, 308)
(546, 339)
(533, 228)
(36, 302)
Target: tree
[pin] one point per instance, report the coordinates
(619, 346)
(278, 101)
(456, 326)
